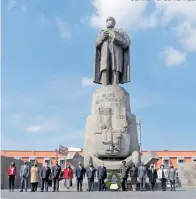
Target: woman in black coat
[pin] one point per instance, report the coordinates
(133, 175)
(152, 174)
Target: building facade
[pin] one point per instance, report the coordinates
(42, 157)
(167, 157)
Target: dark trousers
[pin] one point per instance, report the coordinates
(142, 184)
(11, 182)
(79, 184)
(44, 184)
(152, 185)
(101, 185)
(172, 184)
(163, 184)
(23, 183)
(91, 184)
(124, 184)
(55, 184)
(34, 186)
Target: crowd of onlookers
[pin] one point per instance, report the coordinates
(52, 176)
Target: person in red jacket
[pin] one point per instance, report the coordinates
(68, 176)
(11, 173)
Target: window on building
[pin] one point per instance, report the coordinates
(194, 159)
(31, 161)
(166, 163)
(180, 161)
(62, 163)
(47, 160)
(17, 158)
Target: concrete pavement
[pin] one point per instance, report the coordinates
(182, 193)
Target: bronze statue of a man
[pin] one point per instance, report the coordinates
(112, 57)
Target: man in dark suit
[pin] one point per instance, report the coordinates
(152, 174)
(56, 174)
(80, 174)
(101, 175)
(90, 173)
(45, 174)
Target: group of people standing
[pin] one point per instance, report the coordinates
(143, 172)
(90, 173)
(46, 174)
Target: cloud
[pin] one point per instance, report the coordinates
(186, 35)
(49, 125)
(11, 4)
(183, 15)
(87, 81)
(64, 32)
(34, 128)
(128, 14)
(173, 57)
(170, 10)
(24, 8)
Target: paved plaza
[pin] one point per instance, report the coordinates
(179, 194)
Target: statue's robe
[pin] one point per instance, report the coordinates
(113, 55)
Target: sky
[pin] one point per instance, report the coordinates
(47, 67)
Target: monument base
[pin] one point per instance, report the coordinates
(149, 158)
(111, 129)
(187, 174)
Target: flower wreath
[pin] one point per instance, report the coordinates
(109, 182)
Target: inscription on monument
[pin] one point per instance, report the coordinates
(120, 117)
(111, 98)
(105, 111)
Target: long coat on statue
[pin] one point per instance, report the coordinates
(113, 55)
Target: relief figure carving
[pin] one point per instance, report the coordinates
(112, 139)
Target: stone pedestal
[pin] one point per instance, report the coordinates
(111, 130)
(149, 158)
(187, 173)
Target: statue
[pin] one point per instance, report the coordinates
(112, 57)
(111, 132)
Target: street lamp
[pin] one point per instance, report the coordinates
(139, 134)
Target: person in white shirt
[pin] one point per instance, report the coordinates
(163, 175)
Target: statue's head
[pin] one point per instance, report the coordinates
(110, 22)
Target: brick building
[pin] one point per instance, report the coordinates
(74, 155)
(167, 157)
